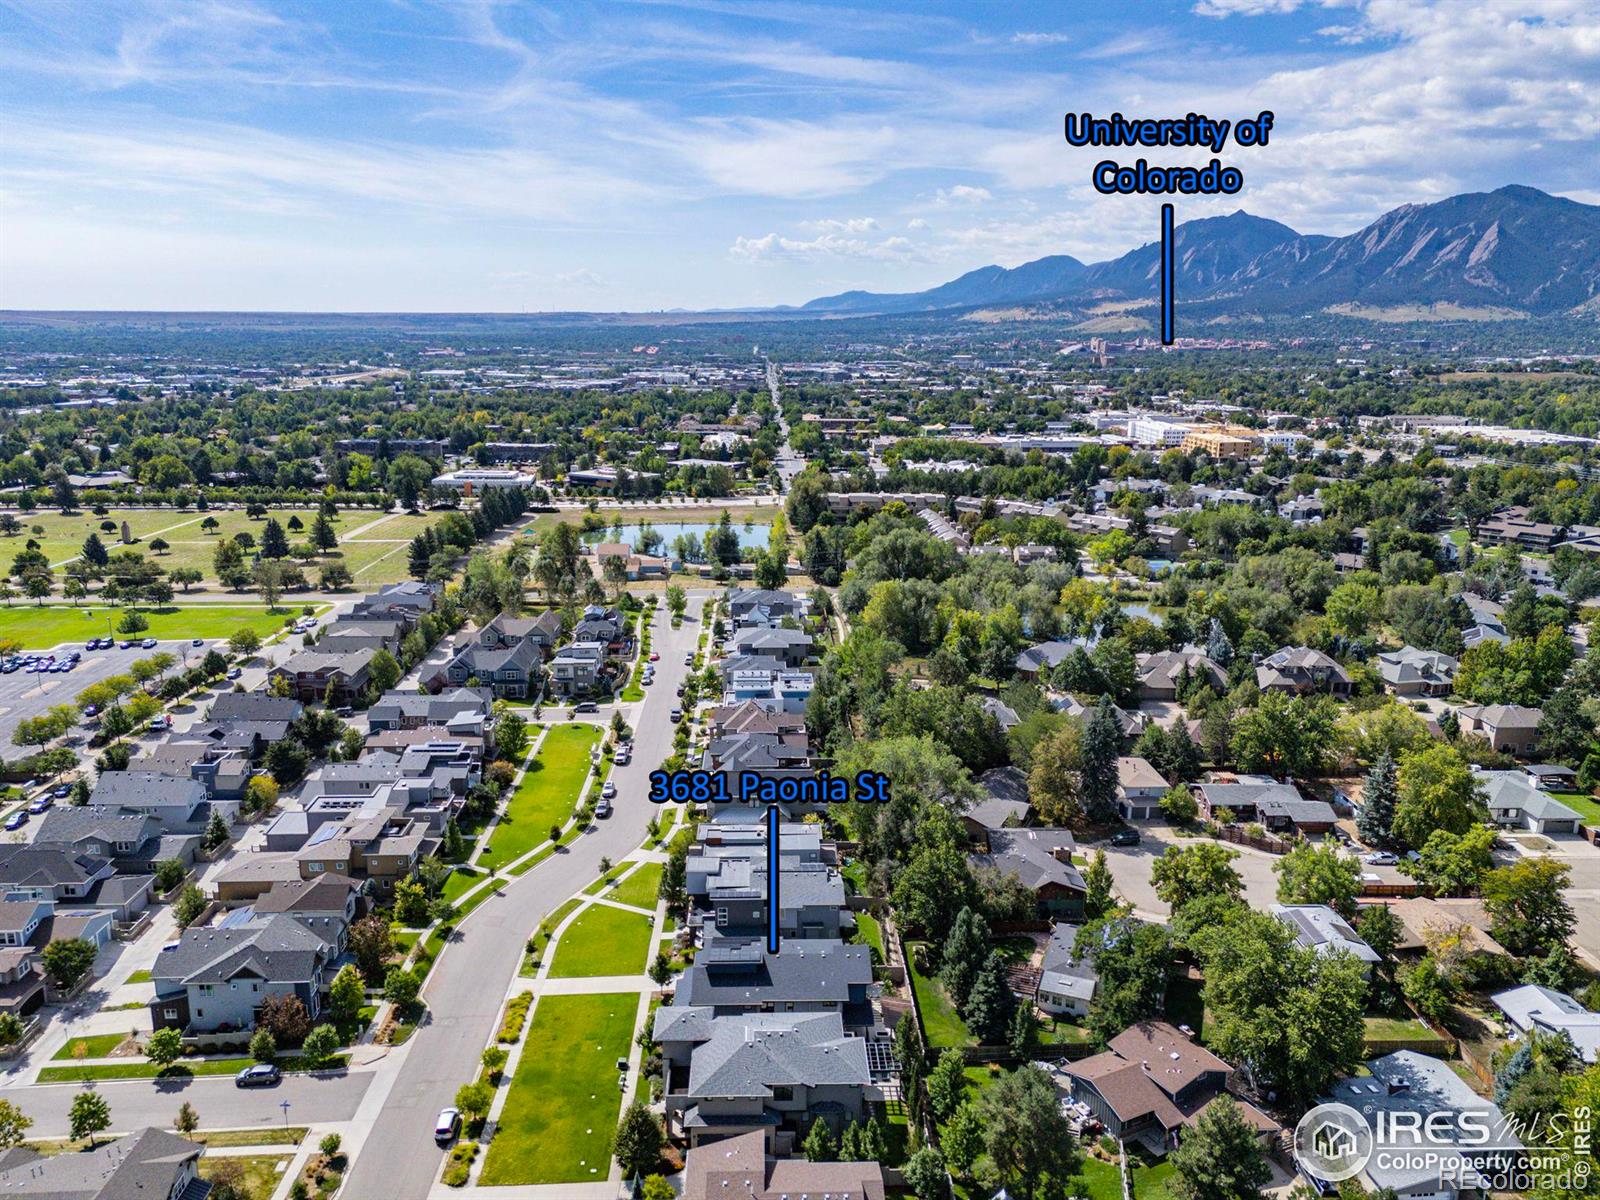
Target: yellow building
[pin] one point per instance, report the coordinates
(1221, 441)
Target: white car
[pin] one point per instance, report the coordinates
(447, 1126)
(1380, 858)
(609, 791)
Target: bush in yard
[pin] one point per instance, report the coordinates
(400, 988)
(11, 1029)
(347, 994)
(263, 1046)
(329, 1145)
(656, 1187)
(516, 1015)
(165, 1047)
(459, 1167)
(169, 874)
(191, 902)
(321, 1044)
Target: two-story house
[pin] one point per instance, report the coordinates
(313, 675)
(1302, 671)
(216, 979)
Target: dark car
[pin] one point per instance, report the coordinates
(1125, 837)
(675, 715)
(588, 706)
(258, 1075)
(16, 820)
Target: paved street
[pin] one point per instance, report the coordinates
(398, 1159)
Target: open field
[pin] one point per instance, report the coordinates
(562, 1110)
(546, 796)
(603, 941)
(39, 627)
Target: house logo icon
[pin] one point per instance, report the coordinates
(1332, 1142)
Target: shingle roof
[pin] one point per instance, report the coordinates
(275, 947)
(146, 1164)
(750, 1054)
(1028, 853)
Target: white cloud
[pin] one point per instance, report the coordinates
(847, 225)
(962, 193)
(774, 246)
(1041, 39)
(582, 277)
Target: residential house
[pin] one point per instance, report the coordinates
(505, 630)
(764, 608)
(1151, 1083)
(511, 672)
(151, 1164)
(739, 1166)
(1043, 657)
(578, 669)
(313, 675)
(459, 711)
(1130, 723)
(134, 841)
(216, 979)
(1162, 674)
(1042, 860)
(246, 877)
(22, 983)
(1005, 803)
(178, 803)
(1515, 802)
(606, 626)
(733, 897)
(1510, 728)
(1452, 1135)
(384, 847)
(51, 871)
(1278, 806)
(1515, 526)
(222, 770)
(1067, 980)
(1139, 789)
(774, 1074)
(791, 647)
(1302, 671)
(1317, 927)
(1535, 1009)
(408, 602)
(1412, 672)
(737, 975)
(369, 633)
(330, 902)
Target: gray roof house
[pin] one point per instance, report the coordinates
(576, 668)
(1042, 860)
(1317, 927)
(1261, 798)
(737, 975)
(462, 709)
(1535, 1009)
(1510, 728)
(511, 671)
(215, 979)
(151, 1164)
(134, 841)
(774, 1072)
(1161, 673)
(1067, 980)
(789, 646)
(179, 803)
(1516, 803)
(1412, 672)
(1442, 1156)
(1301, 670)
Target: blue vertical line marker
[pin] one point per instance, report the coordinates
(1168, 275)
(772, 878)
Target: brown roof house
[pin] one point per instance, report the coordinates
(737, 1168)
(1510, 728)
(1151, 1082)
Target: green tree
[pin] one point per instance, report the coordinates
(962, 1141)
(474, 1100)
(947, 1083)
(1220, 1158)
(1097, 776)
(963, 955)
(14, 1125)
(1025, 1133)
(989, 1004)
(925, 1175)
(1313, 874)
(1286, 736)
(191, 902)
(372, 946)
(639, 1141)
(263, 1046)
(1133, 961)
(1452, 864)
(346, 994)
(68, 961)
(820, 1144)
(1528, 904)
(187, 1120)
(320, 1045)
(1179, 806)
(165, 1047)
(1053, 782)
(1379, 797)
(1098, 898)
(401, 987)
(1437, 791)
(1183, 873)
(90, 1114)
(384, 671)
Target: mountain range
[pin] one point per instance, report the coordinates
(1515, 250)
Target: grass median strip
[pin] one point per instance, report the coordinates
(142, 1068)
(640, 888)
(603, 941)
(563, 1105)
(546, 796)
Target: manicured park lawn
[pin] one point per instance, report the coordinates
(546, 796)
(52, 625)
(603, 941)
(563, 1106)
(640, 888)
(143, 1068)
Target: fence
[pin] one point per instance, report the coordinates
(1263, 841)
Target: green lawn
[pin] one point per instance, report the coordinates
(140, 976)
(143, 1068)
(1150, 1177)
(546, 796)
(603, 941)
(261, 1171)
(1584, 805)
(99, 1045)
(51, 625)
(459, 881)
(871, 933)
(640, 888)
(563, 1106)
(1399, 1029)
(939, 1020)
(1097, 1180)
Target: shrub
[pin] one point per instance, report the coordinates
(516, 1016)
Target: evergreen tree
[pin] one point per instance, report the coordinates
(94, 551)
(1218, 648)
(850, 1143)
(820, 1145)
(638, 1142)
(274, 541)
(964, 952)
(1375, 821)
(913, 1059)
(988, 1011)
(1098, 899)
(322, 534)
(1102, 745)
(1220, 1158)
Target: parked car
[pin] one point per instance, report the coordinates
(688, 659)
(1381, 858)
(1125, 837)
(234, 672)
(61, 791)
(16, 820)
(587, 706)
(675, 715)
(197, 641)
(447, 1125)
(258, 1075)
(603, 809)
(624, 756)
(125, 644)
(654, 655)
(609, 791)
(149, 643)
(41, 805)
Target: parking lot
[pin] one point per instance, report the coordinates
(23, 695)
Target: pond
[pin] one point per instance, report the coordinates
(750, 536)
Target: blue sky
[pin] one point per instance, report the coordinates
(362, 155)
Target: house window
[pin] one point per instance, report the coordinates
(314, 867)
(782, 1094)
(169, 1014)
(722, 915)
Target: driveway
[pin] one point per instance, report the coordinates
(1130, 869)
(465, 990)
